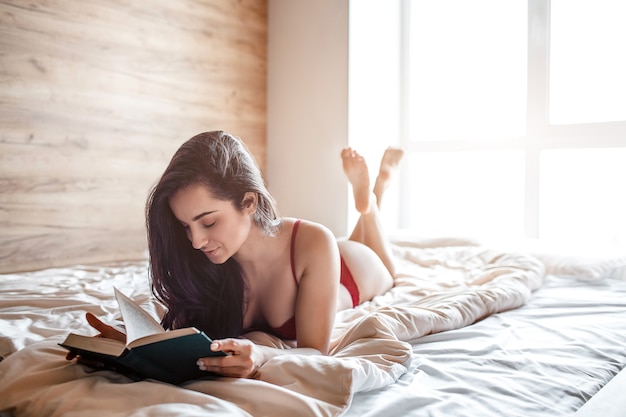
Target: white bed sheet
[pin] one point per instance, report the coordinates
(546, 358)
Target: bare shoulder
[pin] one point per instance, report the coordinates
(315, 248)
(314, 234)
(316, 253)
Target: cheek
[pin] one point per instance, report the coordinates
(244, 227)
(233, 234)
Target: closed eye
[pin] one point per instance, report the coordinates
(208, 226)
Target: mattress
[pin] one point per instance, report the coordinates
(467, 331)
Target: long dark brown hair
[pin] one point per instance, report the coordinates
(195, 291)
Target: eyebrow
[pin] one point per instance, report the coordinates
(201, 215)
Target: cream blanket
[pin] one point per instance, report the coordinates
(438, 289)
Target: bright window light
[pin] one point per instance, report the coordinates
(587, 61)
(468, 194)
(374, 90)
(467, 69)
(582, 199)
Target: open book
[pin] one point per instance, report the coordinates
(150, 351)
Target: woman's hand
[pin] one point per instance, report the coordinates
(243, 361)
(104, 329)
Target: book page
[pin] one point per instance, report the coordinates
(138, 322)
(157, 337)
(94, 344)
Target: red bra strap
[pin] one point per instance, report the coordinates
(293, 242)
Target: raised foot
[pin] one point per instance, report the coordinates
(356, 171)
(388, 165)
(390, 161)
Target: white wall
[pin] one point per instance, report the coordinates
(308, 109)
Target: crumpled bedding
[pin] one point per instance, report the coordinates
(437, 289)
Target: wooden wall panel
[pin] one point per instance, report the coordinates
(95, 96)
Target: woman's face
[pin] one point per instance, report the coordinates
(216, 227)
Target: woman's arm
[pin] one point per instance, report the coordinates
(244, 357)
(317, 265)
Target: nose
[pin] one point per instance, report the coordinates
(198, 239)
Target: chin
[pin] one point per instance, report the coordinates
(217, 260)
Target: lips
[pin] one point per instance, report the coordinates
(214, 255)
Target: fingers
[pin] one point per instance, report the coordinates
(239, 363)
(104, 329)
(231, 346)
(96, 323)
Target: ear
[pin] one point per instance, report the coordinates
(249, 202)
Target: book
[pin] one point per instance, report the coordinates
(149, 351)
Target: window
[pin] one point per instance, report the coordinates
(587, 61)
(513, 114)
(466, 76)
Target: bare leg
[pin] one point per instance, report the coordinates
(368, 229)
(388, 165)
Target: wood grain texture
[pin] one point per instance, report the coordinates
(96, 96)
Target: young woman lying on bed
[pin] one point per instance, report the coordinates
(248, 269)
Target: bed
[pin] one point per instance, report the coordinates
(468, 330)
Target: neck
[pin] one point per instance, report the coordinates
(256, 252)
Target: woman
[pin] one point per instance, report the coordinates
(224, 261)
